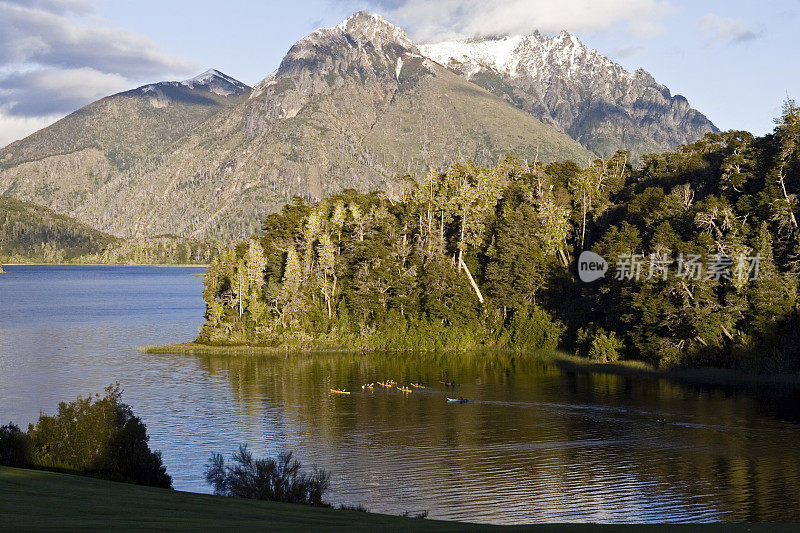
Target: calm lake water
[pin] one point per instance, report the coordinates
(541, 442)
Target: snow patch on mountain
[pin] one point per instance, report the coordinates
(217, 83)
(369, 27)
(522, 56)
(563, 82)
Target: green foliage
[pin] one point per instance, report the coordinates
(15, 447)
(99, 436)
(598, 345)
(533, 329)
(275, 480)
(474, 256)
(32, 233)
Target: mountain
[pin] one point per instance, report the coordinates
(73, 165)
(131, 126)
(585, 94)
(351, 106)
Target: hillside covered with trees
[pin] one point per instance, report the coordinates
(32, 233)
(487, 257)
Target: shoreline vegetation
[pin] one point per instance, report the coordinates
(473, 258)
(97, 436)
(623, 368)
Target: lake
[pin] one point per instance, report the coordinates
(542, 442)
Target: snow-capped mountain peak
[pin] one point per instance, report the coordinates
(330, 54)
(517, 56)
(216, 82)
(366, 26)
(562, 81)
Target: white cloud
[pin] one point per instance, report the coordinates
(54, 90)
(726, 30)
(467, 18)
(13, 128)
(625, 52)
(56, 6)
(57, 56)
(32, 34)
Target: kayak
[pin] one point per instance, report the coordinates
(384, 384)
(340, 391)
(368, 386)
(418, 385)
(459, 400)
(404, 389)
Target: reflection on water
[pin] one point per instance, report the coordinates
(540, 443)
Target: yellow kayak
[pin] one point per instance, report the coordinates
(340, 391)
(404, 389)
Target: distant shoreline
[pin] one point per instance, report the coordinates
(632, 369)
(105, 264)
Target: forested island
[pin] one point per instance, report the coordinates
(477, 257)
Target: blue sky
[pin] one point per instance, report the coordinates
(734, 61)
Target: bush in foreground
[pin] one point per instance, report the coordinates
(277, 480)
(15, 447)
(96, 435)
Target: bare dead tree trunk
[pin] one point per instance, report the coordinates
(475, 287)
(788, 200)
(583, 226)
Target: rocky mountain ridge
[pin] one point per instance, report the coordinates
(352, 106)
(578, 89)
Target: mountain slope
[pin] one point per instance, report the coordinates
(562, 82)
(351, 106)
(67, 164)
(131, 125)
(32, 232)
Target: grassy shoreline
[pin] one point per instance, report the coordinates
(634, 369)
(37, 499)
(41, 499)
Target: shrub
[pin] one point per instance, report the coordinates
(605, 348)
(534, 330)
(277, 480)
(598, 345)
(99, 436)
(15, 447)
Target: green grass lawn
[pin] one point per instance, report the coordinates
(34, 499)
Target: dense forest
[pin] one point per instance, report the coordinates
(31, 233)
(704, 241)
